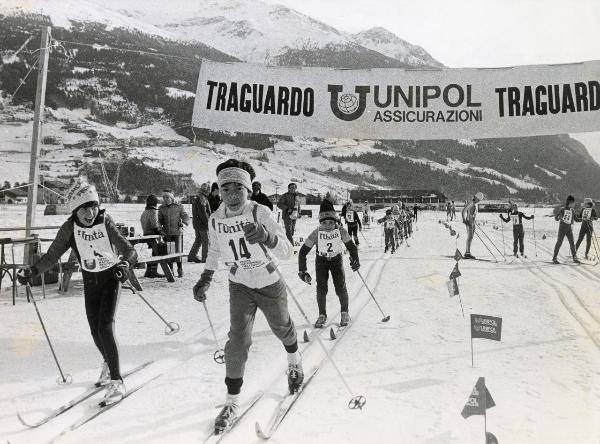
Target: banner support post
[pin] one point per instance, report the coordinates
(484, 412)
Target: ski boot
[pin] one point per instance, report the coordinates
(114, 392)
(555, 260)
(321, 321)
(104, 378)
(228, 414)
(387, 247)
(295, 377)
(576, 260)
(344, 319)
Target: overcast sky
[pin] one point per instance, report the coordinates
(478, 33)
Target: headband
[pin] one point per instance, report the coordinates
(234, 174)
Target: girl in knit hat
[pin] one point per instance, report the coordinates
(245, 236)
(567, 217)
(587, 216)
(330, 238)
(103, 254)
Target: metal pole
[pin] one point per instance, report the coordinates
(40, 97)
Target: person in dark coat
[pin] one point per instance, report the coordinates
(200, 214)
(214, 199)
(259, 197)
(290, 211)
(149, 221)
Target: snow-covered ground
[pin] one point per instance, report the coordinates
(415, 370)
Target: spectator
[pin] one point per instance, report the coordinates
(290, 210)
(259, 197)
(149, 221)
(200, 214)
(214, 199)
(171, 218)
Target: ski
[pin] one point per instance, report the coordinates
(91, 391)
(283, 408)
(215, 438)
(99, 410)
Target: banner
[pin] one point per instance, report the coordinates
(487, 327)
(384, 103)
(479, 401)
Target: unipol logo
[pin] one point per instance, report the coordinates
(348, 106)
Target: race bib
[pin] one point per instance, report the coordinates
(233, 244)
(294, 214)
(95, 249)
(568, 217)
(515, 219)
(390, 224)
(395, 216)
(586, 214)
(329, 243)
(350, 216)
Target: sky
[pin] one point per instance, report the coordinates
(477, 33)
(474, 33)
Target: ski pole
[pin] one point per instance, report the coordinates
(365, 238)
(490, 240)
(385, 318)
(171, 327)
(63, 379)
(219, 355)
(485, 245)
(357, 401)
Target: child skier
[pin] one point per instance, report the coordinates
(245, 234)
(399, 227)
(329, 238)
(566, 215)
(93, 236)
(517, 217)
(390, 227)
(587, 216)
(353, 222)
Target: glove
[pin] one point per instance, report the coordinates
(24, 276)
(533, 216)
(304, 276)
(255, 233)
(121, 271)
(289, 211)
(354, 263)
(203, 285)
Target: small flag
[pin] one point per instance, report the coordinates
(490, 438)
(487, 327)
(452, 285)
(458, 255)
(455, 272)
(479, 401)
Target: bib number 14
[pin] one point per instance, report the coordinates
(242, 248)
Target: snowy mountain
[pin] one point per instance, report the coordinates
(387, 43)
(250, 30)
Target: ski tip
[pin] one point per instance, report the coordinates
(259, 431)
(332, 334)
(306, 336)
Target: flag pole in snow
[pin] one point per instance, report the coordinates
(534, 241)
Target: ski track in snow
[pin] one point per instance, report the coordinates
(414, 370)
